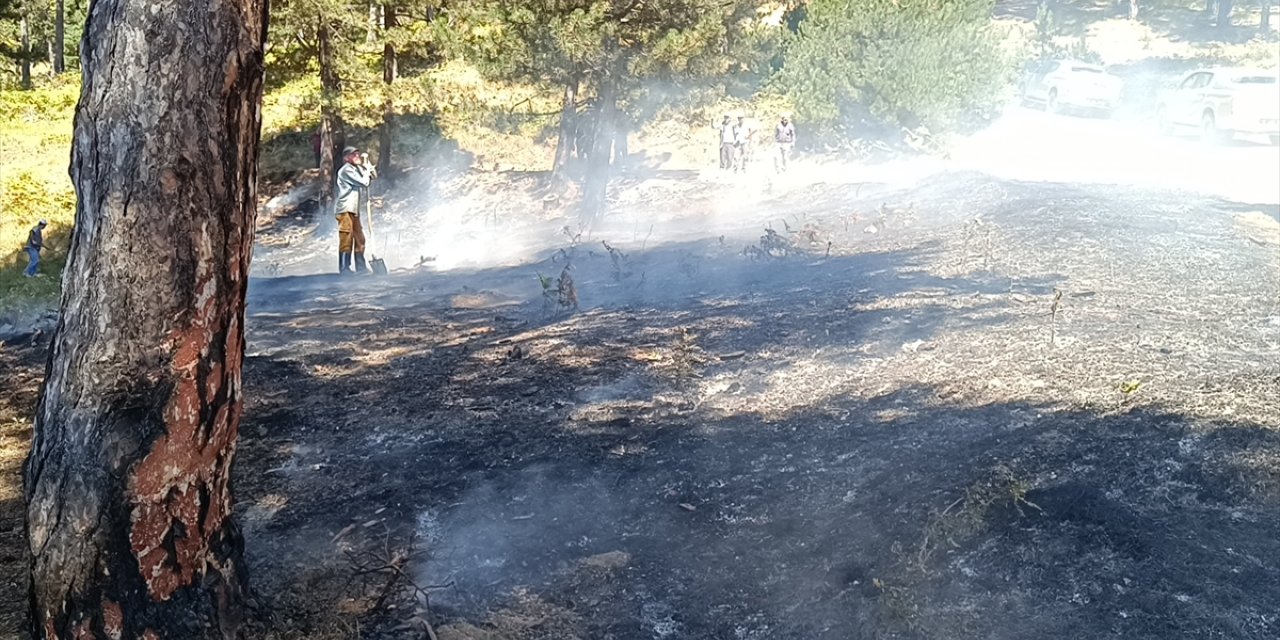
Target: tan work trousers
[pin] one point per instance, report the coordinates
(350, 233)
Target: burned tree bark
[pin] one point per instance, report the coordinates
(59, 38)
(567, 130)
(386, 132)
(1224, 13)
(596, 185)
(24, 65)
(332, 138)
(128, 480)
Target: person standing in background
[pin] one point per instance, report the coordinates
(35, 242)
(784, 136)
(742, 144)
(726, 143)
(352, 181)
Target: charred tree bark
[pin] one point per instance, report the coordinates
(596, 186)
(567, 130)
(332, 137)
(386, 132)
(59, 37)
(128, 482)
(24, 65)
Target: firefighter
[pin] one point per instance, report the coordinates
(353, 181)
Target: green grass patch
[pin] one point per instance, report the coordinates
(35, 185)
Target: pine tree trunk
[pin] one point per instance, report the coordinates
(596, 186)
(128, 482)
(25, 63)
(389, 71)
(1266, 16)
(567, 130)
(331, 134)
(59, 37)
(1224, 13)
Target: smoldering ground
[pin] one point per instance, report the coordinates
(950, 404)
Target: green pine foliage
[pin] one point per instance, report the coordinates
(654, 51)
(854, 63)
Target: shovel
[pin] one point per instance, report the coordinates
(376, 264)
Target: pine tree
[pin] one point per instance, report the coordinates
(894, 62)
(607, 56)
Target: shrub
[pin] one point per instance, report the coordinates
(936, 63)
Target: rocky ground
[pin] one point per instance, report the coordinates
(976, 406)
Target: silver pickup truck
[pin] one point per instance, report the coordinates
(1224, 103)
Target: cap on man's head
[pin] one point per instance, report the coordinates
(349, 151)
(44, 223)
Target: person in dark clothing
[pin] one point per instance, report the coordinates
(35, 242)
(352, 181)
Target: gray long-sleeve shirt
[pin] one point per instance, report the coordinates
(351, 179)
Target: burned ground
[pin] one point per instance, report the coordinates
(976, 409)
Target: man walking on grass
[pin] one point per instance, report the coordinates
(35, 242)
(353, 181)
(784, 135)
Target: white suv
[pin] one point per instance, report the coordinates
(1224, 103)
(1069, 84)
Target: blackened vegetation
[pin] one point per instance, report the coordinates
(881, 443)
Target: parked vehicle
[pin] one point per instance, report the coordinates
(1061, 85)
(1224, 103)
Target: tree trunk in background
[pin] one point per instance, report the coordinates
(332, 137)
(59, 37)
(1211, 7)
(1224, 13)
(25, 63)
(389, 71)
(596, 186)
(1266, 16)
(128, 481)
(375, 20)
(1133, 9)
(568, 129)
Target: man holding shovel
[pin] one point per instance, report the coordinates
(353, 179)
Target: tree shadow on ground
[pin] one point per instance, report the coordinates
(1177, 21)
(705, 427)
(21, 368)
(755, 503)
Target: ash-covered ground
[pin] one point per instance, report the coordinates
(937, 401)
(964, 398)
